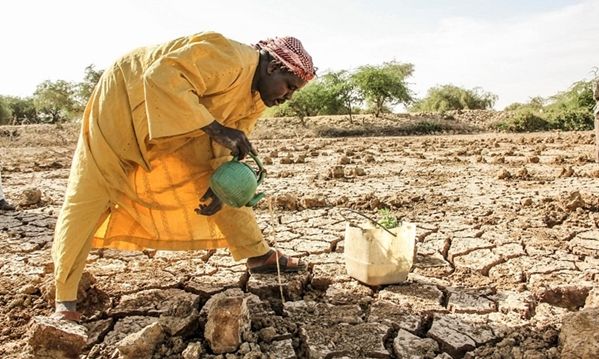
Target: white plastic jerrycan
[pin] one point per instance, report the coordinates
(374, 256)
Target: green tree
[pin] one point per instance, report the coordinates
(449, 97)
(308, 101)
(56, 101)
(86, 87)
(23, 109)
(5, 112)
(384, 85)
(343, 93)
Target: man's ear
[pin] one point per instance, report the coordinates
(272, 66)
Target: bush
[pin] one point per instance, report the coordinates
(572, 120)
(448, 97)
(524, 121)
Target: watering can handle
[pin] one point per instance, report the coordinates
(261, 170)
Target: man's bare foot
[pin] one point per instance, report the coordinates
(267, 263)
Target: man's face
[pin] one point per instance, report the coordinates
(278, 85)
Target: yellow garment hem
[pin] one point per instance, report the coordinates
(129, 243)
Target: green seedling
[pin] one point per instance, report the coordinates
(388, 220)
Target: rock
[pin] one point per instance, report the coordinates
(350, 292)
(481, 260)
(565, 296)
(407, 345)
(365, 340)
(579, 337)
(142, 343)
(344, 160)
(452, 341)
(313, 202)
(287, 160)
(282, 349)
(416, 297)
(323, 275)
(503, 174)
(30, 197)
(592, 300)
(394, 315)
(267, 285)
(359, 171)
(574, 201)
(227, 320)
(267, 334)
(533, 159)
(526, 202)
(322, 314)
(566, 172)
(267, 160)
(193, 351)
(461, 302)
(337, 172)
(56, 339)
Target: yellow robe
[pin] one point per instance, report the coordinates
(142, 162)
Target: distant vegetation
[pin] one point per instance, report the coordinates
(370, 89)
(570, 110)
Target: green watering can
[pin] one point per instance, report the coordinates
(235, 183)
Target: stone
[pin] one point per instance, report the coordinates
(461, 302)
(351, 292)
(416, 297)
(503, 174)
(227, 319)
(323, 275)
(57, 339)
(592, 300)
(566, 296)
(194, 350)
(324, 314)
(337, 172)
(451, 341)
(394, 315)
(407, 345)
(480, 260)
(366, 340)
(267, 285)
(142, 343)
(30, 197)
(282, 349)
(521, 303)
(579, 337)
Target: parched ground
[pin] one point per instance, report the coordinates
(507, 245)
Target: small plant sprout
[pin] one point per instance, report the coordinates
(387, 218)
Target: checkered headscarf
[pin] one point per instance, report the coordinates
(291, 54)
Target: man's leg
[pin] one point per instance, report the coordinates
(246, 240)
(85, 207)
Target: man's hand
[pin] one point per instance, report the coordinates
(230, 138)
(211, 208)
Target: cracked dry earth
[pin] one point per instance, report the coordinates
(507, 245)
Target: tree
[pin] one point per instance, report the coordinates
(384, 85)
(5, 112)
(22, 109)
(449, 97)
(86, 87)
(344, 94)
(56, 101)
(307, 102)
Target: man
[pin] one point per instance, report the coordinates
(159, 122)
(4, 205)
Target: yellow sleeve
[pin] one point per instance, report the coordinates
(175, 83)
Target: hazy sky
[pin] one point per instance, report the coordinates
(516, 49)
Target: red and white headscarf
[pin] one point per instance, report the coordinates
(290, 53)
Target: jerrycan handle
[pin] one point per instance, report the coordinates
(370, 219)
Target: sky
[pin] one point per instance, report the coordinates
(516, 49)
